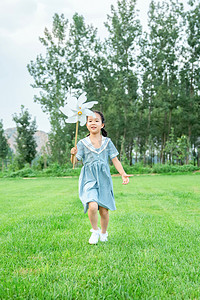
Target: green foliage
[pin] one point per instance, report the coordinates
(4, 148)
(160, 168)
(122, 45)
(178, 150)
(25, 172)
(159, 60)
(26, 144)
(55, 170)
(183, 145)
(171, 146)
(70, 63)
(145, 82)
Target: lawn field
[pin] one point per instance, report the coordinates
(153, 250)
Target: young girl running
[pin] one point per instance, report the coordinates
(95, 183)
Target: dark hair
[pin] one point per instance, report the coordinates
(103, 131)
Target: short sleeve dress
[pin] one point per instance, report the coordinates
(95, 183)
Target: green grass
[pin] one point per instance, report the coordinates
(153, 250)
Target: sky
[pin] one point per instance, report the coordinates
(22, 22)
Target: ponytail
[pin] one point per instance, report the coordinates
(104, 132)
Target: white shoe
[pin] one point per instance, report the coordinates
(95, 236)
(104, 237)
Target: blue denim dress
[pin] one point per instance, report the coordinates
(95, 183)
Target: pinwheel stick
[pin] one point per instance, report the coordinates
(75, 143)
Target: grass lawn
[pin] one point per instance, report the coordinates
(153, 250)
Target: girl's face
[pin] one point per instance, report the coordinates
(94, 125)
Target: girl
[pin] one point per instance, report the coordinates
(95, 183)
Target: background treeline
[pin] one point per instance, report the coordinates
(147, 84)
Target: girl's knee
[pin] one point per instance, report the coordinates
(93, 206)
(103, 211)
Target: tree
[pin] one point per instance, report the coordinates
(26, 144)
(183, 146)
(189, 75)
(171, 147)
(160, 60)
(69, 64)
(124, 32)
(142, 96)
(4, 148)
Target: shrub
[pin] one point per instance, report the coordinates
(135, 169)
(26, 172)
(159, 168)
(55, 170)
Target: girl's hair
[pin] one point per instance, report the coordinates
(103, 131)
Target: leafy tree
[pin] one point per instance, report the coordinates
(189, 75)
(70, 63)
(159, 59)
(124, 32)
(4, 148)
(171, 147)
(183, 145)
(26, 144)
(142, 96)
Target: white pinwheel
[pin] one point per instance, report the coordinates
(77, 110)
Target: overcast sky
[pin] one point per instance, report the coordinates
(21, 23)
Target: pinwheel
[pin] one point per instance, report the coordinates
(77, 110)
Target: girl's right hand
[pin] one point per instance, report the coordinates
(74, 150)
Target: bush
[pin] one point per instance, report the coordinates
(55, 170)
(159, 168)
(26, 172)
(135, 169)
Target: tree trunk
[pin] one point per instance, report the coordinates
(162, 148)
(130, 154)
(189, 139)
(170, 121)
(45, 163)
(164, 140)
(149, 118)
(144, 158)
(136, 157)
(122, 144)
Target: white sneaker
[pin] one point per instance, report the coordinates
(95, 236)
(104, 237)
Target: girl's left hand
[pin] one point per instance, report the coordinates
(125, 178)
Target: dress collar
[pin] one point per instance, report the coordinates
(102, 142)
(87, 142)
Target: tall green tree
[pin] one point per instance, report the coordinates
(4, 148)
(190, 76)
(183, 146)
(69, 64)
(124, 33)
(160, 62)
(26, 144)
(145, 86)
(171, 147)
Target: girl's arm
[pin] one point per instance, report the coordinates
(72, 157)
(74, 151)
(120, 169)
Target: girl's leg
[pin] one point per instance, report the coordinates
(104, 218)
(93, 215)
